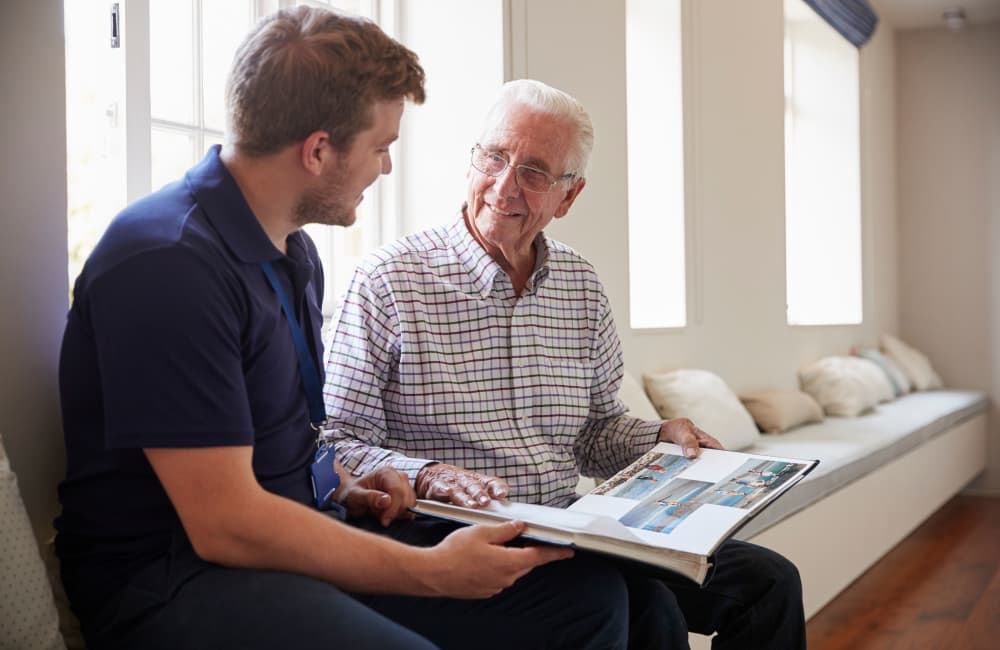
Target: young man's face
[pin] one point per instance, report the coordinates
(334, 198)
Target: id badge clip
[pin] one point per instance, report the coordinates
(325, 479)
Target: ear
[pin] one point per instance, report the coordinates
(571, 194)
(314, 152)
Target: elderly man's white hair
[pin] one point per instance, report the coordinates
(546, 99)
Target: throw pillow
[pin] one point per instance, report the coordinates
(777, 411)
(900, 382)
(876, 381)
(28, 617)
(913, 362)
(840, 385)
(706, 400)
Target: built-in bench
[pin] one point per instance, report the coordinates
(880, 475)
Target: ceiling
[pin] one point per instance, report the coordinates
(914, 14)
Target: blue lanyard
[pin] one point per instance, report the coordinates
(307, 367)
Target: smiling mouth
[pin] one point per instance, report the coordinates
(502, 213)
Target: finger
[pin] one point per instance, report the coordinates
(397, 485)
(387, 506)
(360, 500)
(382, 506)
(708, 441)
(689, 444)
(472, 486)
(537, 555)
(497, 488)
(439, 490)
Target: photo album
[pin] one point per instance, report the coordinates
(663, 510)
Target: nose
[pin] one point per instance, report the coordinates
(506, 183)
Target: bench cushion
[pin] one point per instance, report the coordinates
(848, 448)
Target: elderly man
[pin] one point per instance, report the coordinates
(196, 508)
(481, 359)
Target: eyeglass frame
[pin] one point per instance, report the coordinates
(472, 157)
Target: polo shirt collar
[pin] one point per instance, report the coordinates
(481, 268)
(220, 198)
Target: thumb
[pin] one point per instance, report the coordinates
(501, 533)
(377, 500)
(689, 444)
(362, 499)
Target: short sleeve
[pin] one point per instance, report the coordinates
(167, 335)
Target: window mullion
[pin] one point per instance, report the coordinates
(199, 77)
(138, 147)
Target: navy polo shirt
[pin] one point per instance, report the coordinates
(176, 339)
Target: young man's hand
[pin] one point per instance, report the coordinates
(385, 494)
(474, 562)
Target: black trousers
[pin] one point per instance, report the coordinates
(753, 600)
(182, 602)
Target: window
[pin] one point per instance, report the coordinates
(139, 115)
(656, 243)
(822, 172)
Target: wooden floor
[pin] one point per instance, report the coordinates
(939, 589)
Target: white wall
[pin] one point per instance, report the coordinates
(949, 205)
(33, 284)
(436, 138)
(735, 134)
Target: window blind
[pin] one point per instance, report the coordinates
(855, 20)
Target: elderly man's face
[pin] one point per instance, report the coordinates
(505, 217)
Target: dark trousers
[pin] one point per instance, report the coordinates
(753, 601)
(182, 602)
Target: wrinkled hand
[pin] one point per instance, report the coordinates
(683, 432)
(384, 493)
(462, 487)
(473, 562)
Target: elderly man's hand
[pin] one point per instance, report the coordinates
(443, 482)
(683, 432)
(384, 493)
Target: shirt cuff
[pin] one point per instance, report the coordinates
(644, 436)
(411, 466)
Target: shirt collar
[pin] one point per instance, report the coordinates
(223, 203)
(481, 268)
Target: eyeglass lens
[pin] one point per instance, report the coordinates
(494, 164)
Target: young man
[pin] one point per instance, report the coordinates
(192, 501)
(481, 359)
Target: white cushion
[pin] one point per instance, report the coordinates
(842, 385)
(876, 381)
(913, 362)
(706, 400)
(28, 617)
(635, 398)
(900, 382)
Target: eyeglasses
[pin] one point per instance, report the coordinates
(529, 179)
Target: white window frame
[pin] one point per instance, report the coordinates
(823, 215)
(657, 214)
(381, 224)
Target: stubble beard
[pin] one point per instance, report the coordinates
(326, 204)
